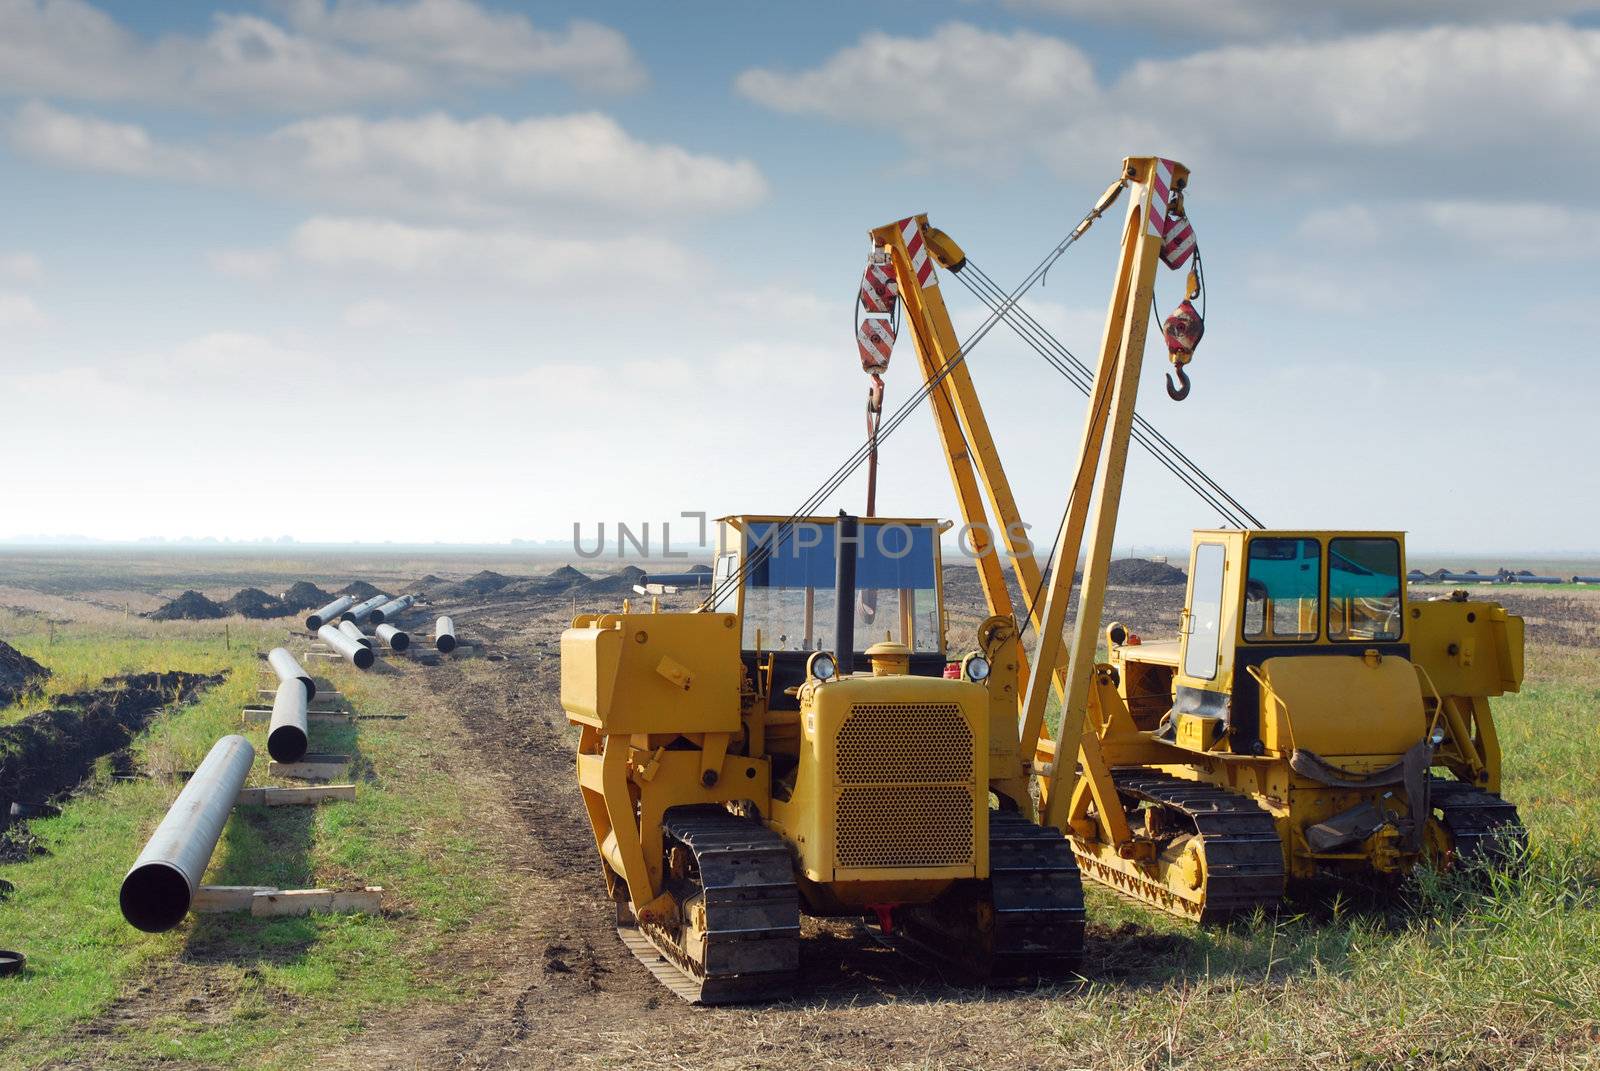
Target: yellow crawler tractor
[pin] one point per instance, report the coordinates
(1309, 719)
(755, 760)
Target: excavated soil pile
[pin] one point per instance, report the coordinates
(303, 595)
(427, 583)
(360, 589)
(567, 576)
(485, 583)
(253, 602)
(618, 583)
(1143, 572)
(48, 753)
(190, 606)
(19, 675)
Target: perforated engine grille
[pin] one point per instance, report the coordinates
(900, 743)
(906, 796)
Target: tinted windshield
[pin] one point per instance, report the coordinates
(789, 596)
(1281, 588)
(1363, 589)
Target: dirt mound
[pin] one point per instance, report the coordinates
(426, 583)
(568, 575)
(1146, 573)
(253, 602)
(48, 753)
(303, 595)
(487, 582)
(360, 589)
(620, 582)
(19, 675)
(190, 606)
(698, 569)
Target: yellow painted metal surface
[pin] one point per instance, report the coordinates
(1468, 648)
(652, 673)
(1342, 706)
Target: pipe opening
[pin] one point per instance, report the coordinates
(362, 658)
(445, 643)
(311, 688)
(155, 897)
(399, 641)
(287, 743)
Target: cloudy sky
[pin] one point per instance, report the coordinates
(472, 271)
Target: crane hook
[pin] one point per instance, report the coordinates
(1178, 393)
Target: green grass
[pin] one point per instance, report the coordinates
(1478, 971)
(273, 990)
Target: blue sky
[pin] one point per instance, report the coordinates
(445, 270)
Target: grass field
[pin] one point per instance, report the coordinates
(1503, 973)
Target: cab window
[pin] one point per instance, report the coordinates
(1364, 590)
(1283, 581)
(1205, 612)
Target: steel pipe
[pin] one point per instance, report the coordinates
(393, 606)
(288, 668)
(358, 613)
(444, 635)
(397, 640)
(157, 891)
(353, 630)
(329, 612)
(360, 656)
(287, 735)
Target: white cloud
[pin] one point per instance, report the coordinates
(389, 247)
(475, 164)
(254, 265)
(20, 312)
(433, 164)
(1517, 230)
(469, 38)
(352, 52)
(1261, 17)
(1467, 106)
(373, 314)
(20, 267)
(1344, 226)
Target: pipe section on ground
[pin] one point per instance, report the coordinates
(287, 736)
(397, 640)
(358, 613)
(358, 655)
(444, 635)
(353, 630)
(329, 612)
(387, 611)
(288, 668)
(157, 891)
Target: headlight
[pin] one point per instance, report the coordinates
(822, 666)
(976, 668)
(1437, 737)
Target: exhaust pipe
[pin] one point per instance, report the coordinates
(358, 613)
(397, 640)
(157, 891)
(353, 630)
(444, 635)
(329, 612)
(387, 611)
(844, 592)
(288, 668)
(287, 736)
(361, 657)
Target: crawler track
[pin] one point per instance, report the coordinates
(739, 938)
(1243, 857)
(1482, 826)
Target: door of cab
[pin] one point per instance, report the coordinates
(1204, 680)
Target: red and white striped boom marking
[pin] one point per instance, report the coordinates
(921, 263)
(1160, 196)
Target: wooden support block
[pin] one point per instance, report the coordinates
(276, 796)
(273, 903)
(263, 715)
(322, 693)
(215, 899)
(313, 766)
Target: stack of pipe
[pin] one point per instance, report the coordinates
(329, 612)
(444, 635)
(288, 668)
(388, 610)
(360, 656)
(358, 613)
(397, 640)
(287, 735)
(157, 891)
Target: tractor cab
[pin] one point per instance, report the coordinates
(778, 577)
(1304, 608)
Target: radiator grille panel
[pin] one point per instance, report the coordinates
(891, 825)
(905, 777)
(901, 743)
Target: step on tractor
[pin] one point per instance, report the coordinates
(810, 741)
